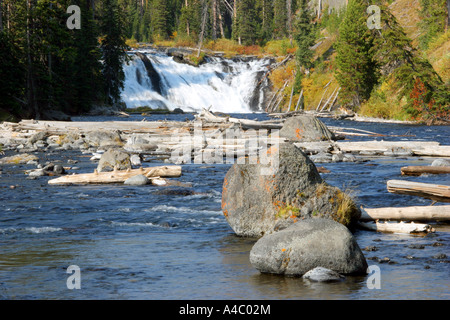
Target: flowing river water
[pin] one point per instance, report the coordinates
(140, 243)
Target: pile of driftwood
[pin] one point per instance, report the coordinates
(434, 192)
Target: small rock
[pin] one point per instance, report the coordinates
(70, 161)
(322, 275)
(349, 158)
(114, 158)
(38, 136)
(135, 160)
(138, 180)
(409, 257)
(416, 246)
(441, 163)
(384, 260)
(59, 169)
(337, 157)
(440, 256)
(37, 173)
(321, 157)
(370, 248)
(49, 167)
(437, 244)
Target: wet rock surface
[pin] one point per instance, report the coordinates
(308, 244)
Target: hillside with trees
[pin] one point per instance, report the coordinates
(399, 71)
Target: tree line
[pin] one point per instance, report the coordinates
(246, 21)
(46, 66)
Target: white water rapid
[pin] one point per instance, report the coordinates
(225, 85)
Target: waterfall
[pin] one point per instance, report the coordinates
(154, 79)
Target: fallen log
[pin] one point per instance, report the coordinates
(397, 227)
(117, 176)
(415, 213)
(419, 170)
(434, 192)
(422, 148)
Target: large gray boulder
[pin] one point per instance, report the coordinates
(255, 204)
(305, 128)
(308, 244)
(114, 159)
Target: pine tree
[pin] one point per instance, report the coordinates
(12, 80)
(86, 71)
(304, 35)
(113, 49)
(265, 10)
(280, 19)
(247, 22)
(356, 72)
(160, 19)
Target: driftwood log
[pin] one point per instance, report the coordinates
(419, 170)
(415, 213)
(397, 227)
(440, 193)
(117, 176)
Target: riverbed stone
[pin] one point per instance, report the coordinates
(305, 128)
(255, 204)
(37, 173)
(308, 244)
(441, 163)
(114, 159)
(103, 138)
(320, 274)
(138, 180)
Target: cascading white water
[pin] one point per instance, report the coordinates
(225, 85)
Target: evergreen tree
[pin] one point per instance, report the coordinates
(247, 22)
(356, 72)
(265, 10)
(304, 35)
(280, 19)
(160, 19)
(190, 19)
(113, 49)
(12, 80)
(86, 71)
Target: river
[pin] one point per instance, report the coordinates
(139, 243)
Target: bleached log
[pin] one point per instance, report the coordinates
(419, 170)
(415, 213)
(422, 148)
(116, 176)
(434, 192)
(397, 227)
